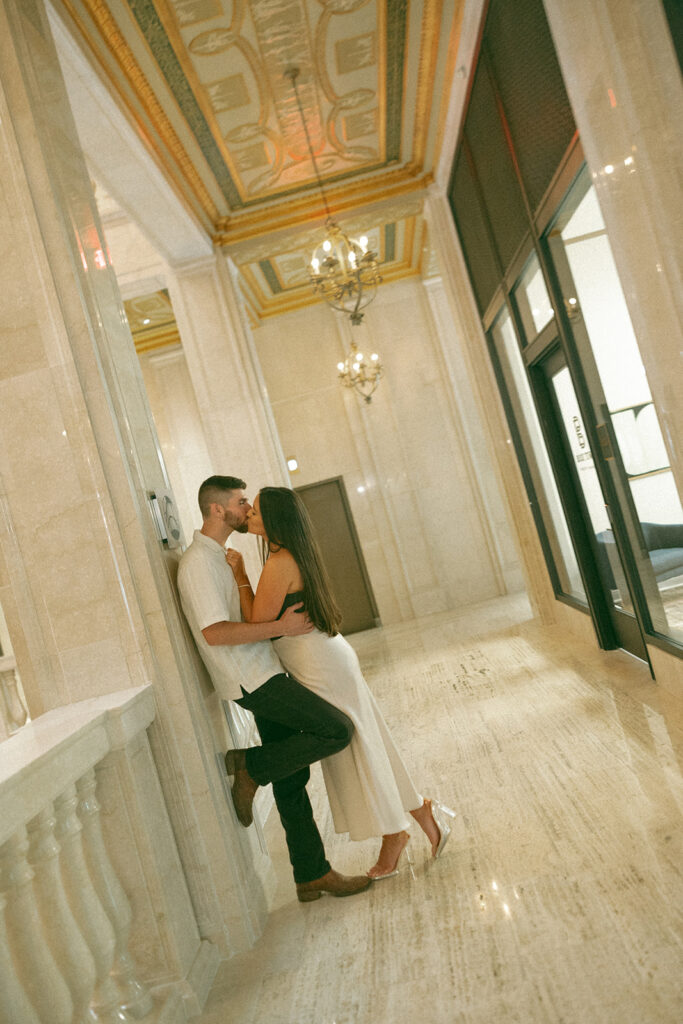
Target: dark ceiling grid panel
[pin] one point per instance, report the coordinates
(495, 170)
(527, 76)
(470, 219)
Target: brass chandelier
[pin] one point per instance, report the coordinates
(343, 270)
(359, 373)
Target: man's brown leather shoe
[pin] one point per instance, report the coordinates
(334, 883)
(243, 788)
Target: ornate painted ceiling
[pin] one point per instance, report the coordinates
(203, 81)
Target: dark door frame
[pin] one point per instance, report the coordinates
(613, 627)
(339, 480)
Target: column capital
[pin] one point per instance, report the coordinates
(190, 268)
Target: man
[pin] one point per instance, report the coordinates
(296, 726)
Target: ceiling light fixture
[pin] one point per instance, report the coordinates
(343, 270)
(355, 372)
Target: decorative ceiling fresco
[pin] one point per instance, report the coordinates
(204, 83)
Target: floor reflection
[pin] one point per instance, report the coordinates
(560, 895)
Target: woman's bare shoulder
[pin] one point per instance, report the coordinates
(281, 561)
(283, 565)
(280, 556)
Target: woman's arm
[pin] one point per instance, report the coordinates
(279, 574)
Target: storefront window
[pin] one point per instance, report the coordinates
(593, 295)
(533, 302)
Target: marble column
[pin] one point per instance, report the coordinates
(475, 363)
(231, 395)
(65, 583)
(476, 462)
(84, 580)
(624, 83)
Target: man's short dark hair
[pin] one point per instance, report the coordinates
(214, 489)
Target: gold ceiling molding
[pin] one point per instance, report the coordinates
(307, 237)
(156, 340)
(125, 58)
(299, 212)
(449, 75)
(169, 22)
(425, 253)
(429, 50)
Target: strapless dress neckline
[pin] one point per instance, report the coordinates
(291, 599)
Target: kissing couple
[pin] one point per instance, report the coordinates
(319, 708)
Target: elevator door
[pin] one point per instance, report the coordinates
(328, 507)
(599, 556)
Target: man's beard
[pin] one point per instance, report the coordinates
(238, 527)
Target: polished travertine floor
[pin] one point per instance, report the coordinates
(559, 899)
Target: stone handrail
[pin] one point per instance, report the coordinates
(65, 921)
(13, 713)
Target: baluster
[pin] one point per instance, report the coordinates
(15, 1007)
(44, 985)
(16, 713)
(136, 998)
(90, 915)
(69, 948)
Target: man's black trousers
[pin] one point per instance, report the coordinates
(297, 728)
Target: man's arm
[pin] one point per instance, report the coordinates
(231, 633)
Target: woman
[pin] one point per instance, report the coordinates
(367, 783)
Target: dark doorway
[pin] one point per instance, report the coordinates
(328, 507)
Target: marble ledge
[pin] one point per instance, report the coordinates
(52, 752)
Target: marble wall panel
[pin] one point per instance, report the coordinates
(179, 427)
(416, 513)
(469, 371)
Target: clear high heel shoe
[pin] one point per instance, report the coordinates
(441, 814)
(395, 868)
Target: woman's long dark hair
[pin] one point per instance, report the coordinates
(287, 525)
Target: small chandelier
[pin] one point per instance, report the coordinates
(356, 373)
(343, 270)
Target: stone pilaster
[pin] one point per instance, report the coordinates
(488, 410)
(233, 403)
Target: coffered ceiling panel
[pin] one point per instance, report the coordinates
(204, 82)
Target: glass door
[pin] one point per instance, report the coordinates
(575, 469)
(646, 510)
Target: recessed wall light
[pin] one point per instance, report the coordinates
(292, 465)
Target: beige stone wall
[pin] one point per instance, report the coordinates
(414, 484)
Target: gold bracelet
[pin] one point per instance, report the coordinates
(244, 585)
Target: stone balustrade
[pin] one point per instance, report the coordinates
(81, 811)
(13, 713)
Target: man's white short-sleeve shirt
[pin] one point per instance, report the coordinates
(209, 594)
